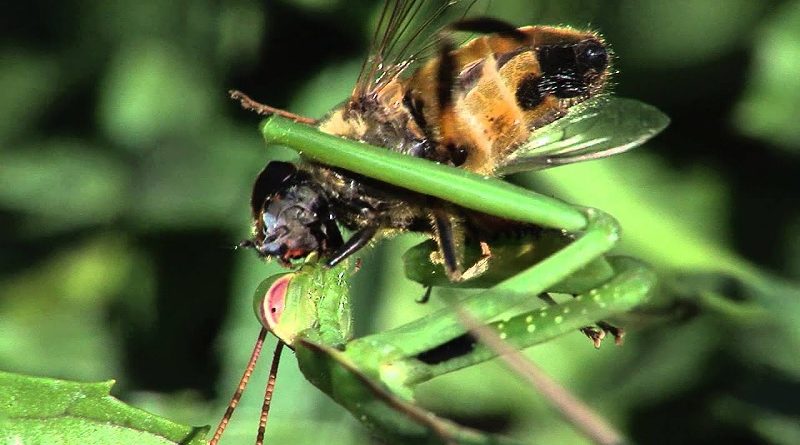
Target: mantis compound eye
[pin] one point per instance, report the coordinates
(269, 300)
(279, 307)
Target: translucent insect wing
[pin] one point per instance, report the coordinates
(598, 128)
(408, 31)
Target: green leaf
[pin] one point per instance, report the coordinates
(673, 219)
(29, 82)
(62, 183)
(36, 410)
(682, 33)
(768, 107)
(154, 91)
(76, 286)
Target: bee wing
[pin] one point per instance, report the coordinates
(598, 128)
(407, 31)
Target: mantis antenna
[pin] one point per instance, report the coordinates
(237, 396)
(273, 375)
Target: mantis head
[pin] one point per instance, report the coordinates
(311, 300)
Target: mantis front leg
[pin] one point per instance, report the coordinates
(598, 238)
(628, 288)
(374, 377)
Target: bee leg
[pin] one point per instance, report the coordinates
(245, 244)
(597, 332)
(265, 110)
(450, 239)
(359, 239)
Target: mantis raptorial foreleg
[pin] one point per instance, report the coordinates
(600, 236)
(374, 376)
(629, 287)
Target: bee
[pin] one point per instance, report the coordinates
(473, 106)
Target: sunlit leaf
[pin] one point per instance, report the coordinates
(40, 410)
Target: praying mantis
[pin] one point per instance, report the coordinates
(374, 377)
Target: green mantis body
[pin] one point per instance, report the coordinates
(374, 376)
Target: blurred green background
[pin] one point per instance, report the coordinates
(124, 183)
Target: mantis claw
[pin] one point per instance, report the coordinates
(598, 332)
(595, 334)
(617, 332)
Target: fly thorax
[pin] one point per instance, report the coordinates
(391, 130)
(380, 121)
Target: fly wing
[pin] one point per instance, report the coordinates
(598, 128)
(407, 31)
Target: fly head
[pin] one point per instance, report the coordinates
(291, 215)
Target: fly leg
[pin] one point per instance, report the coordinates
(359, 239)
(598, 331)
(265, 110)
(481, 265)
(451, 244)
(450, 239)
